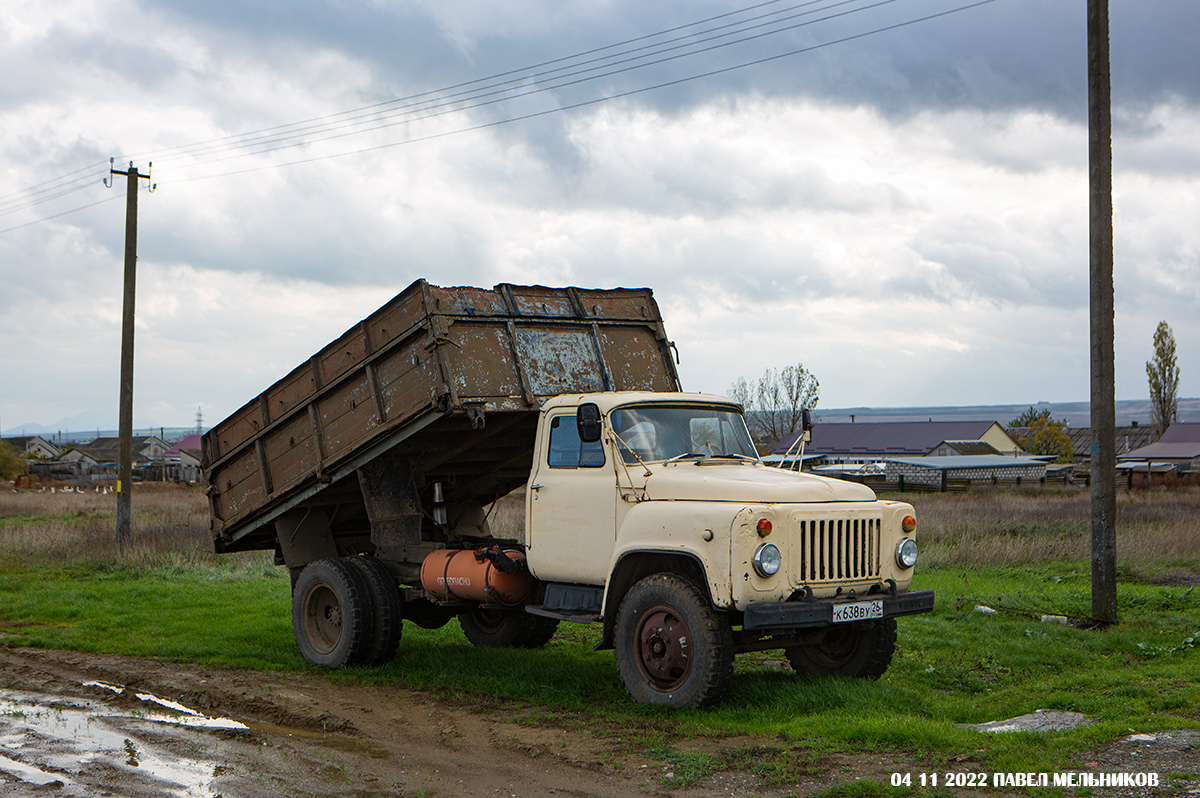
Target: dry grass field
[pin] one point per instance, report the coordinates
(1158, 531)
(44, 528)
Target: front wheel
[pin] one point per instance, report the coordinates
(860, 650)
(672, 647)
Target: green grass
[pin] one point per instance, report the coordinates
(954, 666)
(61, 586)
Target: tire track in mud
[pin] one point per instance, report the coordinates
(74, 725)
(302, 734)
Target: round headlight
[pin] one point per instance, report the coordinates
(906, 553)
(767, 560)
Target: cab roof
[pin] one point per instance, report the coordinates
(610, 400)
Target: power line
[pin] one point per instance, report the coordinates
(596, 101)
(57, 215)
(438, 103)
(289, 127)
(445, 98)
(432, 113)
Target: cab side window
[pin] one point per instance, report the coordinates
(567, 451)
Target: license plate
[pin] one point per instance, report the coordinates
(859, 611)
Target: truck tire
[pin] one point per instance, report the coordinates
(387, 623)
(331, 614)
(672, 647)
(860, 650)
(425, 614)
(495, 628)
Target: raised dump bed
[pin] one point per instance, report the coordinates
(447, 381)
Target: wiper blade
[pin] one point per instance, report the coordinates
(685, 455)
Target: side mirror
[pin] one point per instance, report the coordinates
(587, 419)
(805, 420)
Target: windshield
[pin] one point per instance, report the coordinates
(661, 432)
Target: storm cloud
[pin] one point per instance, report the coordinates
(894, 195)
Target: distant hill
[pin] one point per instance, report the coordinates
(1077, 414)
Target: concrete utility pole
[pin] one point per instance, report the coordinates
(125, 456)
(1104, 442)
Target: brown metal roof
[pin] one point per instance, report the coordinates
(892, 438)
(1128, 439)
(1181, 432)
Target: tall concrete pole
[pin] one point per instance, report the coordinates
(125, 456)
(1104, 456)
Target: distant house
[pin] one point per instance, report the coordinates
(181, 463)
(82, 460)
(936, 470)
(34, 446)
(876, 441)
(99, 458)
(962, 449)
(108, 450)
(1128, 438)
(1179, 446)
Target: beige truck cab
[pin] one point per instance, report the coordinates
(652, 513)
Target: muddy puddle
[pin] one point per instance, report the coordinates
(132, 744)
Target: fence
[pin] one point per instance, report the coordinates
(961, 484)
(1133, 480)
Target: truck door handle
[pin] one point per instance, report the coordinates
(535, 487)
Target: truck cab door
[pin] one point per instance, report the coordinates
(570, 506)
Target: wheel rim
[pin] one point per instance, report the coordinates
(835, 649)
(663, 648)
(322, 618)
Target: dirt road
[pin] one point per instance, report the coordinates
(92, 725)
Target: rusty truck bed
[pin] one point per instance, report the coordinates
(450, 379)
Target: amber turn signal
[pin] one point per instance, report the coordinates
(909, 524)
(764, 527)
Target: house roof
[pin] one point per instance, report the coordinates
(108, 450)
(1165, 451)
(1128, 439)
(890, 438)
(968, 447)
(1179, 442)
(190, 442)
(23, 442)
(1181, 432)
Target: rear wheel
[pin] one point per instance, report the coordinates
(672, 647)
(861, 650)
(331, 614)
(387, 622)
(499, 628)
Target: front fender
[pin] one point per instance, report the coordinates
(698, 530)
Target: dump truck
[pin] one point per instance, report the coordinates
(372, 469)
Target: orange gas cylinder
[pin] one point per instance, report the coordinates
(470, 575)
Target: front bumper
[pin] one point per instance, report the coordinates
(810, 614)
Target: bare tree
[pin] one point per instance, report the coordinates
(775, 402)
(1163, 373)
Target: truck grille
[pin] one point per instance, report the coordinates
(839, 548)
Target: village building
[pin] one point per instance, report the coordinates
(939, 471)
(871, 442)
(34, 446)
(1179, 447)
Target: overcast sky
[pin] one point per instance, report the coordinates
(904, 212)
